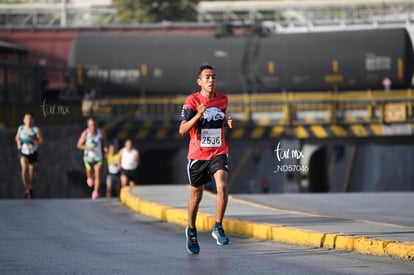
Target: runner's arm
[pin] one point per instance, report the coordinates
(17, 138)
(119, 159)
(81, 141)
(186, 125)
(39, 137)
(104, 143)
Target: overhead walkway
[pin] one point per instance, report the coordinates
(361, 114)
(310, 15)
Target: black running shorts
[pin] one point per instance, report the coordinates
(200, 171)
(32, 158)
(132, 175)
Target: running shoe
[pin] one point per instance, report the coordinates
(191, 241)
(219, 235)
(95, 195)
(89, 181)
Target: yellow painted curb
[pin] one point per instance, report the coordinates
(272, 232)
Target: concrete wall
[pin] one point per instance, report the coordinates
(370, 168)
(373, 168)
(383, 168)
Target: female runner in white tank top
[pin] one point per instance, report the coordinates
(128, 163)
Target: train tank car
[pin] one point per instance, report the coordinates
(336, 61)
(154, 64)
(125, 64)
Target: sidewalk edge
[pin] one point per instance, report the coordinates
(272, 232)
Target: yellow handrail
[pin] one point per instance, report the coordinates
(288, 104)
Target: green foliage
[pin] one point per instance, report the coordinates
(149, 11)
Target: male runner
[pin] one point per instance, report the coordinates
(203, 117)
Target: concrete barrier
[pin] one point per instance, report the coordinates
(272, 232)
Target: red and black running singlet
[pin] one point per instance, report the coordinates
(207, 136)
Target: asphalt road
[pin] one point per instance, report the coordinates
(103, 237)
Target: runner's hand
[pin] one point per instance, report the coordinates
(200, 109)
(230, 122)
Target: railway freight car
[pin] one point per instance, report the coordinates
(125, 64)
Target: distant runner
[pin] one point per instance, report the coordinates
(92, 142)
(128, 163)
(28, 139)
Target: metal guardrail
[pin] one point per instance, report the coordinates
(290, 108)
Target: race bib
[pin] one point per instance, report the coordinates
(113, 169)
(27, 149)
(210, 138)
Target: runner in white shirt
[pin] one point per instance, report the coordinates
(128, 163)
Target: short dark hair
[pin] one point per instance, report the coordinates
(205, 67)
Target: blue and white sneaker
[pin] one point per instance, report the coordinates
(191, 241)
(219, 235)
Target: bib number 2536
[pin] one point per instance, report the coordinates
(210, 137)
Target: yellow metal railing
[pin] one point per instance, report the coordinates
(377, 106)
